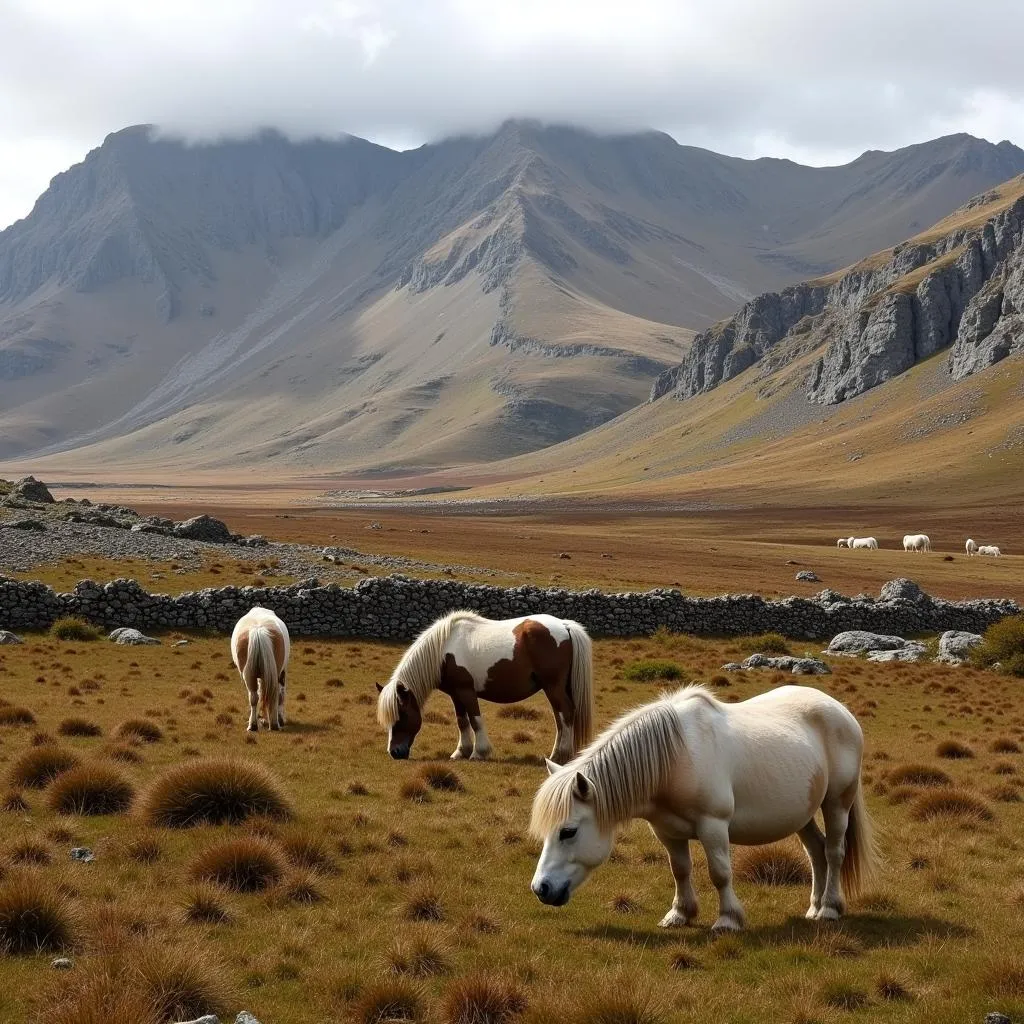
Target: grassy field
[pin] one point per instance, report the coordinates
(400, 895)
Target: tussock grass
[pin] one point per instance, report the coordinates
(414, 790)
(203, 904)
(305, 848)
(390, 1001)
(439, 776)
(34, 917)
(917, 775)
(98, 996)
(650, 669)
(301, 887)
(14, 801)
(774, 864)
(125, 754)
(31, 851)
(617, 1001)
(79, 727)
(424, 905)
(180, 981)
(844, 995)
(37, 767)
(1005, 745)
(144, 849)
(70, 628)
(213, 792)
(93, 788)
(243, 864)
(420, 956)
(141, 729)
(892, 989)
(951, 803)
(1005, 977)
(11, 715)
(482, 999)
(954, 750)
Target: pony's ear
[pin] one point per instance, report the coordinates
(581, 788)
(551, 766)
(380, 689)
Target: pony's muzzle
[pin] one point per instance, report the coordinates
(550, 895)
(399, 753)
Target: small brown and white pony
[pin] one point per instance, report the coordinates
(471, 658)
(694, 768)
(260, 646)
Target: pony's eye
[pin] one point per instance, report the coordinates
(566, 834)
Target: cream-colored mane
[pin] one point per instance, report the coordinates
(627, 764)
(420, 667)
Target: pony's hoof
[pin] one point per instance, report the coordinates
(252, 728)
(812, 913)
(827, 914)
(275, 728)
(675, 919)
(458, 756)
(725, 925)
(478, 756)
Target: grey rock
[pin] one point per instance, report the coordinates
(204, 528)
(858, 641)
(130, 637)
(83, 853)
(31, 489)
(210, 1018)
(254, 541)
(997, 1018)
(955, 646)
(7, 637)
(808, 576)
(245, 1017)
(787, 663)
(913, 651)
(732, 666)
(901, 589)
(62, 963)
(33, 525)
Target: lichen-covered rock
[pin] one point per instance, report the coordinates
(205, 528)
(808, 576)
(911, 651)
(955, 646)
(31, 489)
(901, 589)
(858, 641)
(130, 637)
(786, 663)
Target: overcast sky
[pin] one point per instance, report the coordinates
(813, 80)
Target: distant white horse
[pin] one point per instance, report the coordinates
(989, 549)
(972, 548)
(863, 542)
(694, 768)
(842, 542)
(260, 646)
(917, 542)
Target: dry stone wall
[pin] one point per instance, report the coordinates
(397, 608)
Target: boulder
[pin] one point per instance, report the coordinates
(254, 541)
(31, 489)
(26, 524)
(787, 663)
(901, 590)
(62, 963)
(83, 853)
(245, 1017)
(858, 641)
(955, 646)
(808, 576)
(912, 652)
(205, 528)
(7, 637)
(131, 637)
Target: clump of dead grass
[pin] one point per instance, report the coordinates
(242, 864)
(951, 803)
(917, 775)
(441, 777)
(92, 789)
(390, 1001)
(79, 727)
(37, 767)
(954, 750)
(34, 916)
(774, 864)
(482, 998)
(12, 715)
(418, 956)
(141, 729)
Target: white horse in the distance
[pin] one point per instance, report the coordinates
(694, 768)
(471, 658)
(862, 542)
(917, 542)
(260, 647)
(843, 542)
(970, 547)
(989, 549)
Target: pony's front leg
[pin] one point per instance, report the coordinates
(254, 700)
(836, 818)
(481, 744)
(684, 906)
(280, 699)
(714, 837)
(465, 747)
(814, 845)
(562, 752)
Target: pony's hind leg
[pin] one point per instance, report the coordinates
(684, 906)
(561, 708)
(252, 688)
(814, 845)
(836, 818)
(714, 837)
(280, 698)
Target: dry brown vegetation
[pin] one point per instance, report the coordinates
(379, 908)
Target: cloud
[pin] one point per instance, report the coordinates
(817, 82)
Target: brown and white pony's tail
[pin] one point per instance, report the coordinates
(582, 686)
(861, 861)
(261, 669)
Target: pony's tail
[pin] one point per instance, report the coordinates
(261, 644)
(860, 865)
(582, 686)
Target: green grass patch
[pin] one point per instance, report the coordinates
(650, 669)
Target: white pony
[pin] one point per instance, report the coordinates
(694, 768)
(842, 542)
(260, 646)
(917, 542)
(863, 542)
(989, 549)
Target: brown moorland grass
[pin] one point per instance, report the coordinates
(141, 729)
(390, 1001)
(917, 775)
(954, 750)
(482, 999)
(10, 715)
(92, 788)
(37, 767)
(776, 864)
(342, 789)
(79, 727)
(241, 864)
(951, 803)
(34, 916)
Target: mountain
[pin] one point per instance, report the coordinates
(335, 305)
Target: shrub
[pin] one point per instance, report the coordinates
(390, 1001)
(204, 905)
(774, 864)
(649, 669)
(1003, 644)
(954, 750)
(419, 957)
(213, 792)
(243, 864)
(93, 788)
(31, 851)
(34, 917)
(766, 643)
(140, 728)
(305, 849)
(438, 776)
(917, 775)
(37, 767)
(482, 999)
(951, 803)
(11, 715)
(70, 628)
(79, 727)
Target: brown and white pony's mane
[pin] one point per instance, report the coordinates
(627, 764)
(419, 669)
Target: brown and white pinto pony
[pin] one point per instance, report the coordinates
(471, 658)
(260, 646)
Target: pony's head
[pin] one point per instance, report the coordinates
(399, 712)
(566, 817)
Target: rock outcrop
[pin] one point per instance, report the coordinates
(31, 489)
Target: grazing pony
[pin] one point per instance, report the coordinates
(971, 547)
(260, 646)
(842, 542)
(917, 542)
(471, 658)
(748, 773)
(989, 549)
(863, 542)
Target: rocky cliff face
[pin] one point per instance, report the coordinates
(961, 287)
